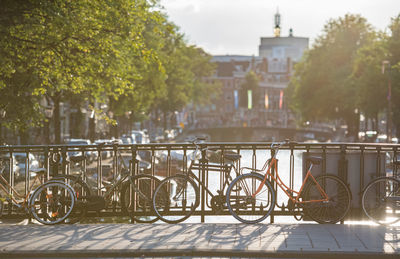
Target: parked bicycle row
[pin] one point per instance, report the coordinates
(249, 194)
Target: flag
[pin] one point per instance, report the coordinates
(249, 100)
(266, 101)
(281, 99)
(236, 98)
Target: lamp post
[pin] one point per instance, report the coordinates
(2, 116)
(48, 113)
(389, 97)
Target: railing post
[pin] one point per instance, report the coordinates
(64, 159)
(203, 162)
(272, 217)
(342, 167)
(99, 170)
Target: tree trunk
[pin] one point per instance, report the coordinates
(57, 119)
(165, 120)
(92, 124)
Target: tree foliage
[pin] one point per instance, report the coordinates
(121, 52)
(322, 87)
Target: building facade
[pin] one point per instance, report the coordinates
(268, 105)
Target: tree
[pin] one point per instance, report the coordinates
(92, 48)
(250, 84)
(185, 68)
(394, 58)
(322, 87)
(370, 83)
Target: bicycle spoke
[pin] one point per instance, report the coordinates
(175, 198)
(241, 203)
(335, 208)
(381, 200)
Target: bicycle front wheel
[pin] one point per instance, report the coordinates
(332, 210)
(52, 202)
(82, 193)
(136, 198)
(245, 203)
(381, 200)
(1, 205)
(176, 198)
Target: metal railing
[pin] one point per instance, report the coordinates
(355, 163)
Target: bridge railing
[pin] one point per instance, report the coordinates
(355, 163)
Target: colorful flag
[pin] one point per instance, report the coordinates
(236, 98)
(281, 99)
(249, 100)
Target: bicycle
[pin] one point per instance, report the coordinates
(49, 203)
(381, 199)
(177, 196)
(132, 192)
(251, 198)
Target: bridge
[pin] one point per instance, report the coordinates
(199, 240)
(210, 235)
(259, 133)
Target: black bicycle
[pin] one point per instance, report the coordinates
(381, 198)
(177, 196)
(132, 193)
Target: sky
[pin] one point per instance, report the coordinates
(234, 27)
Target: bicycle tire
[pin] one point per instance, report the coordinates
(82, 192)
(1, 206)
(52, 202)
(136, 198)
(327, 212)
(172, 196)
(381, 200)
(241, 203)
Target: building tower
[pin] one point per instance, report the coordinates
(277, 28)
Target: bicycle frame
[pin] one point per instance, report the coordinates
(273, 163)
(24, 198)
(218, 168)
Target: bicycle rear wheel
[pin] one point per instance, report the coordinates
(1, 205)
(176, 198)
(381, 200)
(333, 210)
(82, 192)
(52, 202)
(136, 198)
(243, 202)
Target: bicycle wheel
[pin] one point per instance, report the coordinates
(245, 204)
(136, 198)
(381, 200)
(176, 198)
(82, 192)
(333, 210)
(52, 202)
(1, 205)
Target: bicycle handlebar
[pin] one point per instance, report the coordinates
(277, 145)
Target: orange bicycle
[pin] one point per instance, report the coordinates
(251, 199)
(48, 202)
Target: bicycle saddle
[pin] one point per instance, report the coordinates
(38, 170)
(315, 160)
(232, 156)
(76, 159)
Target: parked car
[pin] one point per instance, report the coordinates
(90, 155)
(128, 140)
(21, 160)
(6, 163)
(141, 137)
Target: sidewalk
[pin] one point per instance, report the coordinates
(199, 240)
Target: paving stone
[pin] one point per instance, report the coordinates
(236, 238)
